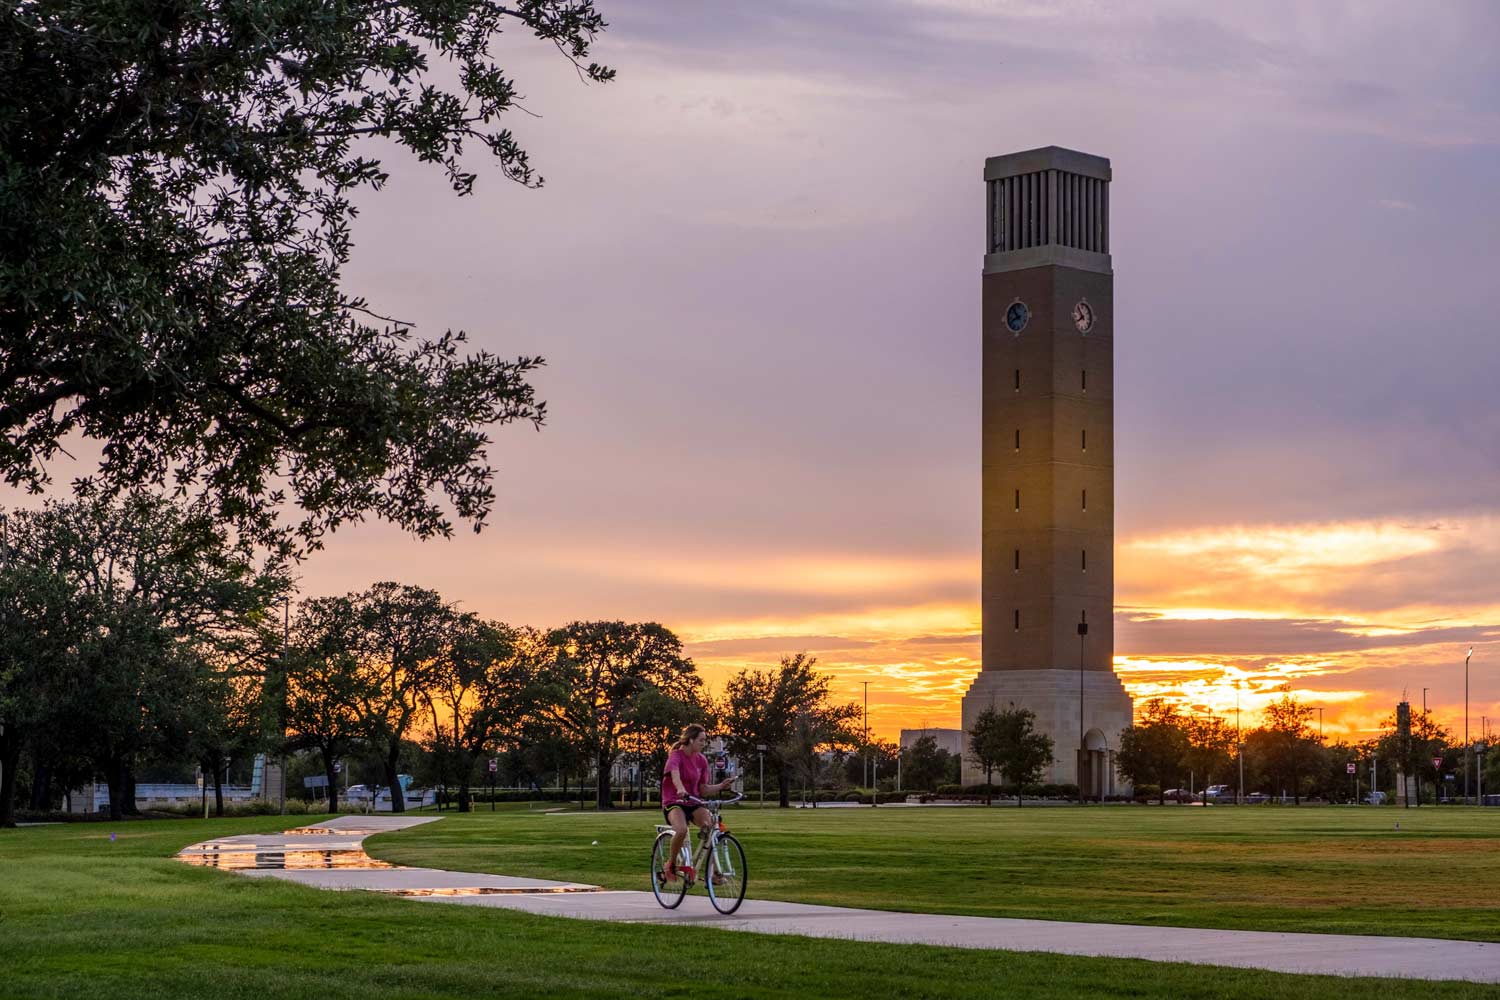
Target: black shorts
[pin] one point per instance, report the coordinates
(687, 811)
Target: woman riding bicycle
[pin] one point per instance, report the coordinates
(683, 780)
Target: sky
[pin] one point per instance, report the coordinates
(754, 272)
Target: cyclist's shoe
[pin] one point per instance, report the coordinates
(720, 879)
(670, 874)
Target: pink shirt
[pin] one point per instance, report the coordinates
(691, 767)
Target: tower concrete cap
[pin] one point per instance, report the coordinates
(1046, 158)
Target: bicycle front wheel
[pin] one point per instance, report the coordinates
(668, 894)
(728, 874)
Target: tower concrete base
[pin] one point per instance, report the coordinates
(1053, 696)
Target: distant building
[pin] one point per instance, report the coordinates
(951, 740)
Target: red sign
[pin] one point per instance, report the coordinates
(1349, 767)
(1437, 762)
(494, 764)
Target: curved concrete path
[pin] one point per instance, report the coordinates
(330, 856)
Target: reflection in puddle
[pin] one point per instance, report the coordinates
(491, 890)
(240, 859)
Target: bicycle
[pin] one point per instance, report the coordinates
(720, 857)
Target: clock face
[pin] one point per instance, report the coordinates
(1017, 316)
(1083, 317)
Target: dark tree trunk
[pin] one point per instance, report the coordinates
(601, 799)
(392, 780)
(114, 777)
(783, 790)
(219, 766)
(465, 797)
(41, 784)
(127, 781)
(10, 759)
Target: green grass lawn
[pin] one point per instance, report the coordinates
(81, 916)
(1326, 869)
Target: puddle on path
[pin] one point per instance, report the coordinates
(232, 859)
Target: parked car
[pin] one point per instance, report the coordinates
(1219, 793)
(1178, 795)
(1256, 798)
(1374, 799)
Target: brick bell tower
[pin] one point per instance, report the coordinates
(1048, 462)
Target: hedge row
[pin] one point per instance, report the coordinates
(1047, 791)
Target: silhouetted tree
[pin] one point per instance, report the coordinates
(1006, 740)
(603, 680)
(1152, 750)
(177, 183)
(761, 708)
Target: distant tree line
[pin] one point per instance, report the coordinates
(135, 635)
(1284, 756)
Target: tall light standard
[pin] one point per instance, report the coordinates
(1239, 747)
(286, 641)
(760, 751)
(867, 733)
(1466, 724)
(1320, 723)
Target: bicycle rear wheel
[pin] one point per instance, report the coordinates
(727, 875)
(668, 894)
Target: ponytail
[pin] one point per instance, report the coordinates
(689, 733)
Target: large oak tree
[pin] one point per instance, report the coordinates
(177, 184)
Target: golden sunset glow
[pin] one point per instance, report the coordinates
(1335, 614)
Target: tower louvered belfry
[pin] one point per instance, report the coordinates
(1048, 330)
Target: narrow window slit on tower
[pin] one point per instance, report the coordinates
(1018, 380)
(1018, 619)
(1085, 499)
(1018, 499)
(1083, 440)
(1083, 381)
(1018, 560)
(1018, 439)
(1085, 559)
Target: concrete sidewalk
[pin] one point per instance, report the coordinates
(331, 856)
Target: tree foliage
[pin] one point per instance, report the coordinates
(158, 599)
(1005, 740)
(177, 184)
(1153, 749)
(762, 708)
(609, 681)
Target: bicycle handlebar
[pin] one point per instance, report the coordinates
(716, 802)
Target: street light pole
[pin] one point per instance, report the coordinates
(1239, 747)
(867, 733)
(760, 750)
(286, 641)
(1320, 723)
(1466, 724)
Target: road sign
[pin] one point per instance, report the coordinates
(723, 762)
(494, 764)
(1437, 762)
(338, 767)
(1349, 767)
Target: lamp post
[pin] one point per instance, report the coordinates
(1239, 747)
(1466, 724)
(1320, 723)
(760, 751)
(867, 733)
(286, 640)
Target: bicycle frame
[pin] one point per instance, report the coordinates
(690, 862)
